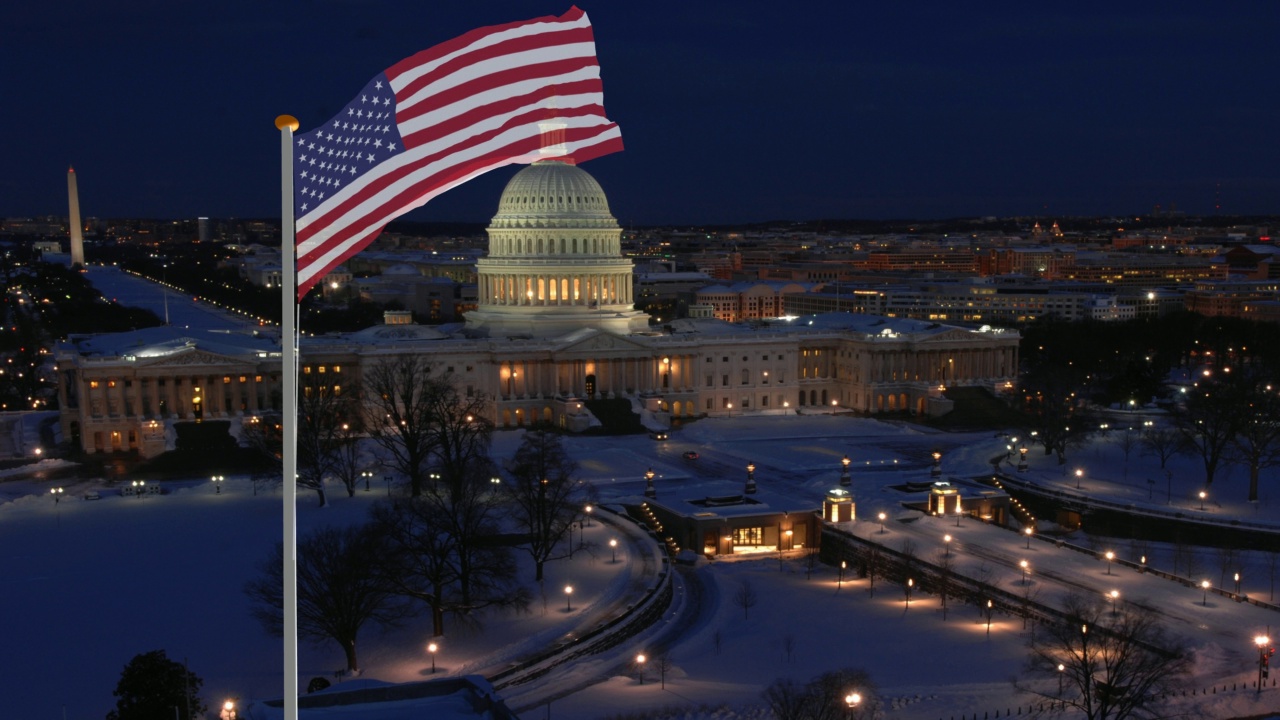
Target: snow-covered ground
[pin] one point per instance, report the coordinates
(89, 584)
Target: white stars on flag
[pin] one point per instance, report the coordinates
(338, 152)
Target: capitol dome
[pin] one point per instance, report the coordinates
(553, 194)
(555, 260)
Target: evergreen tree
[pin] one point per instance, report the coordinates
(151, 687)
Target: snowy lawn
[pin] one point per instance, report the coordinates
(89, 584)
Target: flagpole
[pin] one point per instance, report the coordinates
(288, 125)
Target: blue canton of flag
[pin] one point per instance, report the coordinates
(339, 152)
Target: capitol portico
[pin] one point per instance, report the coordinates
(555, 327)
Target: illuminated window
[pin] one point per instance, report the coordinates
(226, 379)
(337, 390)
(306, 370)
(322, 369)
(93, 384)
(337, 368)
(242, 378)
(257, 378)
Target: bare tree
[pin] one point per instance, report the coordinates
(461, 433)
(1163, 442)
(1257, 442)
(1114, 666)
(461, 437)
(400, 395)
(422, 559)
(544, 495)
(338, 589)
(847, 694)
(745, 597)
(1208, 421)
(874, 566)
(1052, 406)
(347, 460)
(663, 663)
(787, 699)
(322, 412)
(945, 562)
(1228, 561)
(419, 553)
(264, 435)
(1128, 441)
(788, 647)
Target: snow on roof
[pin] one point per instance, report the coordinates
(168, 339)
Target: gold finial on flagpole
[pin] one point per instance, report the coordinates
(287, 121)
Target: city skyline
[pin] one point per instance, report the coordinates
(729, 113)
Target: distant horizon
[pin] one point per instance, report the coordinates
(1144, 220)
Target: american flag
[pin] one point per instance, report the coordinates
(496, 96)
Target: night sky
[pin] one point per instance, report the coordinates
(731, 111)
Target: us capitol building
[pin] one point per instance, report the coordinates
(556, 325)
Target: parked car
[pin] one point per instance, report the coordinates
(690, 455)
(659, 435)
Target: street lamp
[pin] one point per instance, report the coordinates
(640, 658)
(851, 701)
(228, 711)
(946, 539)
(1110, 556)
(568, 598)
(1237, 584)
(1025, 569)
(1079, 474)
(367, 475)
(1203, 494)
(217, 484)
(588, 510)
(1028, 531)
(910, 584)
(139, 486)
(1114, 594)
(936, 470)
(988, 618)
(751, 478)
(649, 490)
(1061, 668)
(1204, 585)
(959, 512)
(431, 650)
(840, 582)
(845, 480)
(613, 548)
(1262, 641)
(56, 492)
(881, 516)
(1022, 459)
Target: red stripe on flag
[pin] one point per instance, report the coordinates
(523, 44)
(471, 118)
(462, 41)
(498, 80)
